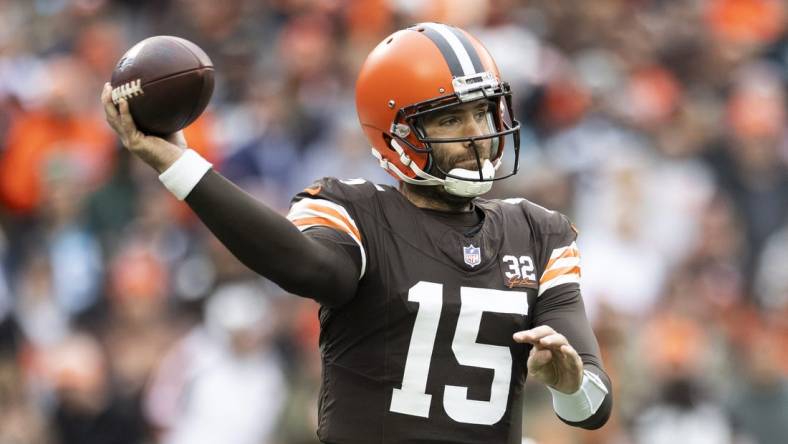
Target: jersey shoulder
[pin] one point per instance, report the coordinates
(341, 191)
(543, 221)
(556, 254)
(337, 204)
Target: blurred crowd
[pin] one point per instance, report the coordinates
(659, 126)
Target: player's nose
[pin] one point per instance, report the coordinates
(474, 129)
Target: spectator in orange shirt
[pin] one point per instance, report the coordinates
(66, 123)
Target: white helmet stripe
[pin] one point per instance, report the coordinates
(456, 45)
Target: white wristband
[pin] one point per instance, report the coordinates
(583, 403)
(182, 176)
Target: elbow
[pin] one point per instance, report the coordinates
(333, 288)
(320, 282)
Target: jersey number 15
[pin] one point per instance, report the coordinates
(412, 398)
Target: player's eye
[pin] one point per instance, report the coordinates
(449, 121)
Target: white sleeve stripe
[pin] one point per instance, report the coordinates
(360, 246)
(305, 202)
(559, 280)
(307, 214)
(559, 251)
(301, 210)
(567, 258)
(341, 223)
(300, 213)
(571, 261)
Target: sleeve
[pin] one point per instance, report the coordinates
(563, 258)
(327, 204)
(559, 305)
(337, 240)
(309, 265)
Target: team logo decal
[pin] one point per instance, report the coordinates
(472, 255)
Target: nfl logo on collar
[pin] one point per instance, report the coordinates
(472, 255)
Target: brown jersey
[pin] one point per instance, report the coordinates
(423, 353)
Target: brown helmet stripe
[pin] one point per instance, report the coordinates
(445, 48)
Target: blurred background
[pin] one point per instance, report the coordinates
(659, 126)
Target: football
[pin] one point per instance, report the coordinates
(167, 81)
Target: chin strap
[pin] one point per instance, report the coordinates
(453, 185)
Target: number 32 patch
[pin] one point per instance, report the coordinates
(519, 271)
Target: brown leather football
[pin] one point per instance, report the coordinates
(167, 81)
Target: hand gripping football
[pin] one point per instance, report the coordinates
(167, 81)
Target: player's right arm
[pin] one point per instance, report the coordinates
(322, 265)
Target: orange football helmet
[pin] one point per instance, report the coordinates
(423, 69)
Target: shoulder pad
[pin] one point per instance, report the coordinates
(339, 190)
(545, 220)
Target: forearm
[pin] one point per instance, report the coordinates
(270, 245)
(591, 406)
(262, 239)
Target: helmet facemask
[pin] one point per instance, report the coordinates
(408, 132)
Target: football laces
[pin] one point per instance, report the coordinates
(127, 90)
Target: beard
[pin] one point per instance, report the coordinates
(443, 163)
(439, 193)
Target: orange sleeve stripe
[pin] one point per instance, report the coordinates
(313, 191)
(569, 252)
(334, 213)
(326, 222)
(552, 274)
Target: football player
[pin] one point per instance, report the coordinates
(435, 303)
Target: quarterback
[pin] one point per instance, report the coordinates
(436, 304)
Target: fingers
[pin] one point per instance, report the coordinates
(129, 133)
(545, 338)
(539, 358)
(119, 118)
(106, 100)
(570, 359)
(554, 341)
(559, 368)
(552, 360)
(126, 121)
(110, 111)
(556, 345)
(542, 336)
(532, 335)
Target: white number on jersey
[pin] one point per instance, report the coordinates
(412, 398)
(520, 268)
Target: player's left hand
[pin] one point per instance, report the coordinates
(553, 361)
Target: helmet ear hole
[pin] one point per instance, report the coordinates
(418, 127)
(387, 141)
